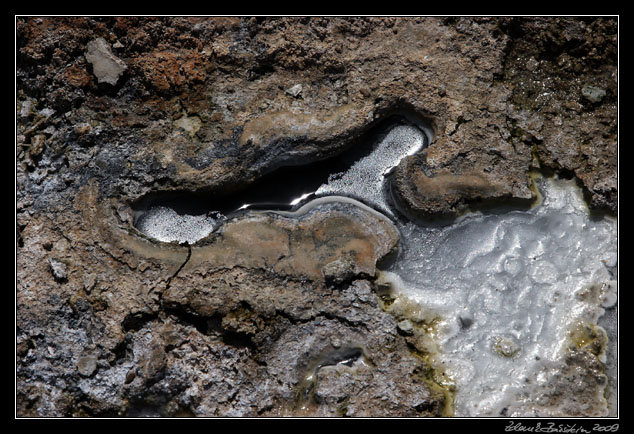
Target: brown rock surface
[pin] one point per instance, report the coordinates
(232, 326)
(236, 324)
(498, 92)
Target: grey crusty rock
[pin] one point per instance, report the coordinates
(87, 365)
(593, 93)
(106, 66)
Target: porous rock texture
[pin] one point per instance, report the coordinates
(112, 323)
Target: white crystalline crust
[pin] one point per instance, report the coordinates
(365, 179)
(166, 225)
(519, 279)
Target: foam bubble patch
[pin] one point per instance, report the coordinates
(167, 225)
(365, 179)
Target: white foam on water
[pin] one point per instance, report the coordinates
(165, 224)
(516, 281)
(365, 179)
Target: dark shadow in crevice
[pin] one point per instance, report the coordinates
(121, 352)
(212, 325)
(136, 321)
(200, 323)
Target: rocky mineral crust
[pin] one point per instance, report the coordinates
(262, 317)
(255, 320)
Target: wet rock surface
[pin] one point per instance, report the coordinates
(112, 323)
(232, 326)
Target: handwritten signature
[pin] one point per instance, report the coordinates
(551, 427)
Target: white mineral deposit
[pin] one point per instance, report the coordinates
(506, 291)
